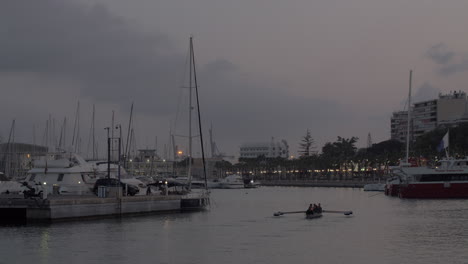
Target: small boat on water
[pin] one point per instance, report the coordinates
(313, 215)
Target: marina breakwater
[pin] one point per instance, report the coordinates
(319, 183)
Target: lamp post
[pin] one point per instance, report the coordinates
(108, 152)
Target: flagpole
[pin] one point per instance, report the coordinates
(447, 151)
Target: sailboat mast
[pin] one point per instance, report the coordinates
(199, 116)
(409, 117)
(127, 152)
(189, 171)
(94, 132)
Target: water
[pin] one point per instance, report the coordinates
(241, 228)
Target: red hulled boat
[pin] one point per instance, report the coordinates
(447, 179)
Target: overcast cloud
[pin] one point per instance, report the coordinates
(263, 72)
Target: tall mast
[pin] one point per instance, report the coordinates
(409, 117)
(112, 133)
(127, 152)
(211, 141)
(199, 116)
(64, 132)
(94, 132)
(76, 129)
(189, 171)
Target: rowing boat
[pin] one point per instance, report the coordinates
(313, 215)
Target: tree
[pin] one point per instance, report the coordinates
(339, 151)
(306, 145)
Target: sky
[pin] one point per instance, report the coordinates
(264, 68)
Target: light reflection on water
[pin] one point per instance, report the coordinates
(241, 228)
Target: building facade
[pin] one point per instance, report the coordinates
(449, 109)
(452, 108)
(398, 125)
(424, 117)
(272, 149)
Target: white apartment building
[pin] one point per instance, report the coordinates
(448, 109)
(272, 149)
(398, 126)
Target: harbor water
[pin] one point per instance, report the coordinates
(240, 228)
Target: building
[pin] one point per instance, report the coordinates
(452, 108)
(272, 149)
(398, 126)
(424, 117)
(449, 109)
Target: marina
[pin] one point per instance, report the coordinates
(285, 138)
(240, 228)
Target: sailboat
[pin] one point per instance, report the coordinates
(200, 198)
(392, 187)
(448, 178)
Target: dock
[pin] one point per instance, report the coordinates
(62, 207)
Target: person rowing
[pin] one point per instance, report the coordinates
(313, 208)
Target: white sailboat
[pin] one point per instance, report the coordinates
(200, 198)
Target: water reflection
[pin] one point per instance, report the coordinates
(240, 228)
(44, 246)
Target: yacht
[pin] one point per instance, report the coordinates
(234, 181)
(447, 179)
(62, 173)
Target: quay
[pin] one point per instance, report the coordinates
(62, 207)
(318, 183)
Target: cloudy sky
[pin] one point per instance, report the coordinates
(265, 68)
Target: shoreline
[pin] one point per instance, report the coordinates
(343, 184)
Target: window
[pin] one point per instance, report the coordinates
(60, 177)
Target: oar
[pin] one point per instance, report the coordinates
(338, 212)
(293, 212)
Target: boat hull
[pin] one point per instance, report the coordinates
(434, 190)
(313, 216)
(392, 189)
(231, 186)
(379, 187)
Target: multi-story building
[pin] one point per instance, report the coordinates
(448, 109)
(452, 108)
(272, 149)
(398, 126)
(424, 117)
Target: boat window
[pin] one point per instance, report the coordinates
(441, 177)
(86, 178)
(60, 177)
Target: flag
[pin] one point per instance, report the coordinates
(444, 143)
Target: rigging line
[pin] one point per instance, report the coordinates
(199, 116)
(179, 97)
(127, 152)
